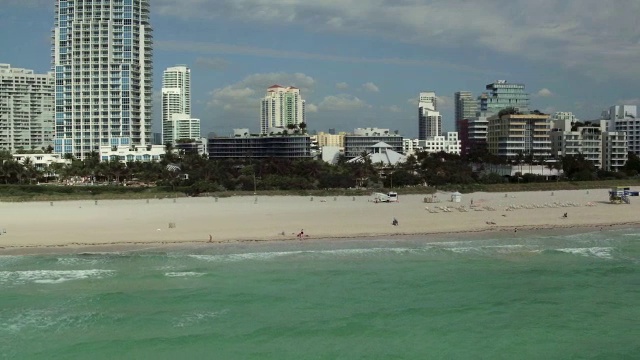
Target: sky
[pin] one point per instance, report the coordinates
(362, 63)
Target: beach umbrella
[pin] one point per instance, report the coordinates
(173, 167)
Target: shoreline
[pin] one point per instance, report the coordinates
(122, 224)
(177, 245)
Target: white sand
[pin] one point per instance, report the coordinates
(118, 222)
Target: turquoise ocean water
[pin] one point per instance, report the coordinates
(526, 297)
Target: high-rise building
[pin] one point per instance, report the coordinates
(429, 119)
(176, 100)
(624, 118)
(26, 109)
(181, 127)
(465, 112)
(102, 58)
(429, 100)
(465, 106)
(477, 134)
(513, 135)
(501, 95)
(571, 137)
(281, 107)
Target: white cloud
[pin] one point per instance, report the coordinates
(218, 48)
(212, 63)
(586, 35)
(244, 96)
(370, 87)
(311, 108)
(544, 92)
(342, 102)
(342, 86)
(444, 102)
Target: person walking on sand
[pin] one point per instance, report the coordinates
(301, 234)
(210, 238)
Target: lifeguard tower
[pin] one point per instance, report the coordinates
(620, 194)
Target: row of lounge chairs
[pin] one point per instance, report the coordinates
(513, 207)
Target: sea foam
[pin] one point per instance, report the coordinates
(263, 256)
(599, 252)
(51, 276)
(184, 274)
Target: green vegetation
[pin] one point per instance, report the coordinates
(194, 175)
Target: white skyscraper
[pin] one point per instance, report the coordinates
(26, 109)
(102, 58)
(429, 119)
(281, 107)
(624, 118)
(176, 104)
(429, 100)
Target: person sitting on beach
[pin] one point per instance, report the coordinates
(394, 222)
(565, 215)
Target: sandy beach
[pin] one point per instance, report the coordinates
(73, 224)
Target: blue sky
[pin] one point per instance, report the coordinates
(362, 63)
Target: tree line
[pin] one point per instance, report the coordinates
(199, 174)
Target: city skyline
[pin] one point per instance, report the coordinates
(356, 74)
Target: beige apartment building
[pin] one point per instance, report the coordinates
(512, 134)
(326, 139)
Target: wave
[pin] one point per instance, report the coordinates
(491, 249)
(184, 274)
(598, 252)
(263, 256)
(47, 318)
(10, 259)
(198, 317)
(51, 276)
(73, 261)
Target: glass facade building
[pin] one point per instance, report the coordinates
(501, 95)
(292, 147)
(102, 60)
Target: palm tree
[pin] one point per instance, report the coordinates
(116, 169)
(55, 169)
(303, 127)
(169, 154)
(29, 169)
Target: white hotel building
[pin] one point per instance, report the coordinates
(282, 106)
(26, 109)
(449, 144)
(624, 118)
(604, 149)
(177, 122)
(429, 119)
(102, 59)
